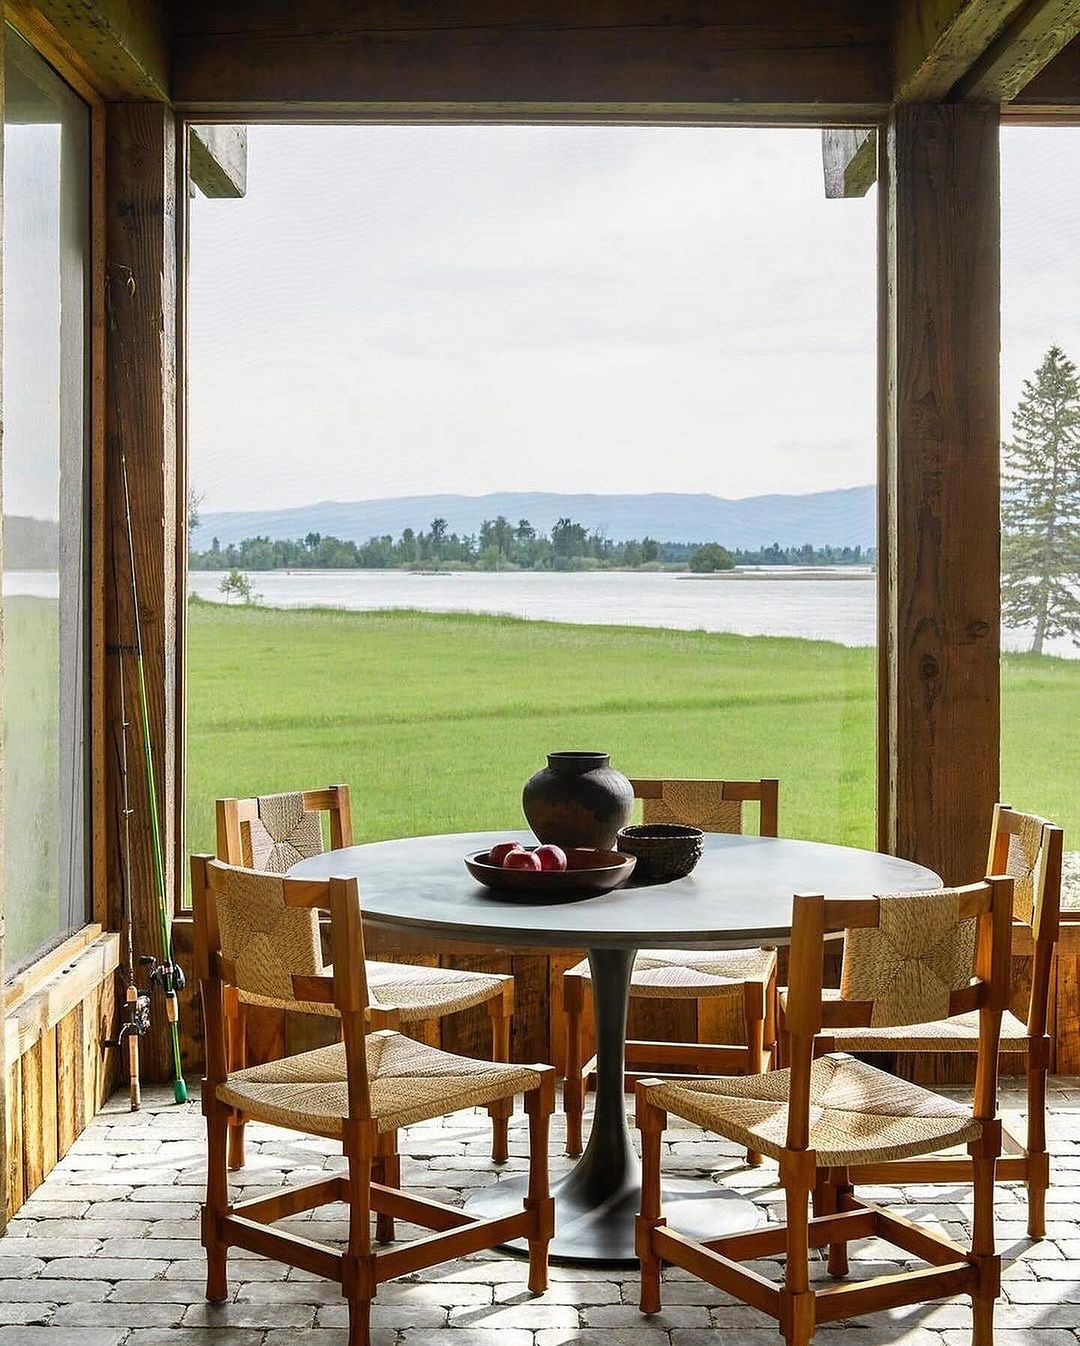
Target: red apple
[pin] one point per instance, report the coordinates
(497, 855)
(522, 859)
(551, 857)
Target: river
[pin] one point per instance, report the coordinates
(824, 604)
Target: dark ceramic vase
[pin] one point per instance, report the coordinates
(578, 799)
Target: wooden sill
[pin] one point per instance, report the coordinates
(39, 971)
(38, 999)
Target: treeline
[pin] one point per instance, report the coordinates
(499, 545)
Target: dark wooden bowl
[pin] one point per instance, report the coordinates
(587, 872)
(665, 851)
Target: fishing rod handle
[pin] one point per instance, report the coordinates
(133, 1055)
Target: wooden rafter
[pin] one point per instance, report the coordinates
(217, 160)
(122, 45)
(849, 157)
(978, 50)
(936, 42)
(1030, 42)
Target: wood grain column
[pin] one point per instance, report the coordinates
(141, 244)
(3, 907)
(940, 552)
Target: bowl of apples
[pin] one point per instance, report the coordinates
(512, 867)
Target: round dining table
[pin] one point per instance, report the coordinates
(739, 896)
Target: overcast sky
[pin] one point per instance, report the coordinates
(403, 310)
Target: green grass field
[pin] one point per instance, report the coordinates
(435, 721)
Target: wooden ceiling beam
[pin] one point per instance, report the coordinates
(849, 158)
(983, 51)
(1040, 30)
(1055, 89)
(120, 46)
(217, 160)
(758, 58)
(936, 42)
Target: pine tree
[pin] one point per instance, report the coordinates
(1040, 505)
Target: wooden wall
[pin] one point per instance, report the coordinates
(57, 1073)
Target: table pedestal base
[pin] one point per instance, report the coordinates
(587, 1232)
(596, 1202)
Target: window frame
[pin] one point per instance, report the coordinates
(39, 35)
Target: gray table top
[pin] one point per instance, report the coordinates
(739, 895)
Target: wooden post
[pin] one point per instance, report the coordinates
(940, 553)
(141, 241)
(4, 1197)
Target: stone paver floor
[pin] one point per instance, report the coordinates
(106, 1252)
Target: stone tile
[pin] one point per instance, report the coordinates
(579, 1293)
(59, 1292)
(248, 1314)
(195, 1336)
(532, 1316)
(606, 1336)
(91, 1268)
(59, 1336)
(15, 1313)
(629, 1315)
(20, 1266)
(117, 1314)
(467, 1336)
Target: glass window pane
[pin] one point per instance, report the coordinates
(46, 232)
(1040, 387)
(464, 404)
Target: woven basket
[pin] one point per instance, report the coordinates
(664, 851)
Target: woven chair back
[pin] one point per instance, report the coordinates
(911, 958)
(711, 805)
(1029, 850)
(259, 933)
(265, 942)
(272, 832)
(908, 967)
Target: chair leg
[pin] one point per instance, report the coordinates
(770, 1020)
(358, 1282)
(217, 1200)
(500, 1011)
(984, 1154)
(840, 1186)
(651, 1121)
(796, 1298)
(573, 1085)
(754, 1006)
(1038, 1161)
(388, 1172)
(539, 1106)
(235, 1059)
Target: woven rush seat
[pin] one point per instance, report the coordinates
(945, 1035)
(669, 974)
(858, 1114)
(422, 992)
(409, 1082)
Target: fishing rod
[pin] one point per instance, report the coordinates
(164, 973)
(136, 1003)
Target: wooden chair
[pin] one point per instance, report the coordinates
(1029, 850)
(254, 933)
(686, 974)
(906, 959)
(270, 833)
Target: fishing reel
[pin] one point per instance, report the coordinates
(167, 976)
(137, 1022)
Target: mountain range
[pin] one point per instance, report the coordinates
(824, 518)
